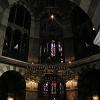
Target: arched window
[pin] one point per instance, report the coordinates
(17, 38)
(53, 48)
(52, 87)
(51, 34)
(20, 16)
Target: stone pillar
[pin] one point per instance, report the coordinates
(1, 13)
(68, 40)
(3, 25)
(34, 41)
(68, 49)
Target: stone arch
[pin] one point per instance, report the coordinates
(88, 85)
(12, 2)
(4, 68)
(12, 85)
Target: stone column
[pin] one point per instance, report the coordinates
(68, 40)
(34, 41)
(1, 13)
(4, 21)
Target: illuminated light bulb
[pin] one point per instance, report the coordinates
(93, 28)
(69, 62)
(52, 16)
(32, 63)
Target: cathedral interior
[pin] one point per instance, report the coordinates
(49, 50)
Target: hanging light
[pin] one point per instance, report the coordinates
(52, 16)
(93, 28)
(70, 62)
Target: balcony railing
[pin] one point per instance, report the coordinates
(75, 64)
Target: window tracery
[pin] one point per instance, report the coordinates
(17, 34)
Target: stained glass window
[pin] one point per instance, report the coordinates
(53, 87)
(51, 51)
(16, 41)
(53, 48)
(61, 88)
(59, 47)
(45, 88)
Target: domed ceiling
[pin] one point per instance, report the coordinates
(91, 7)
(75, 21)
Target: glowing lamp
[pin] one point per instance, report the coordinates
(10, 98)
(52, 16)
(95, 98)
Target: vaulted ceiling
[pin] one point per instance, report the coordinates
(91, 7)
(64, 9)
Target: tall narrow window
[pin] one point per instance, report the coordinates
(53, 48)
(45, 88)
(53, 87)
(59, 46)
(52, 52)
(60, 50)
(61, 88)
